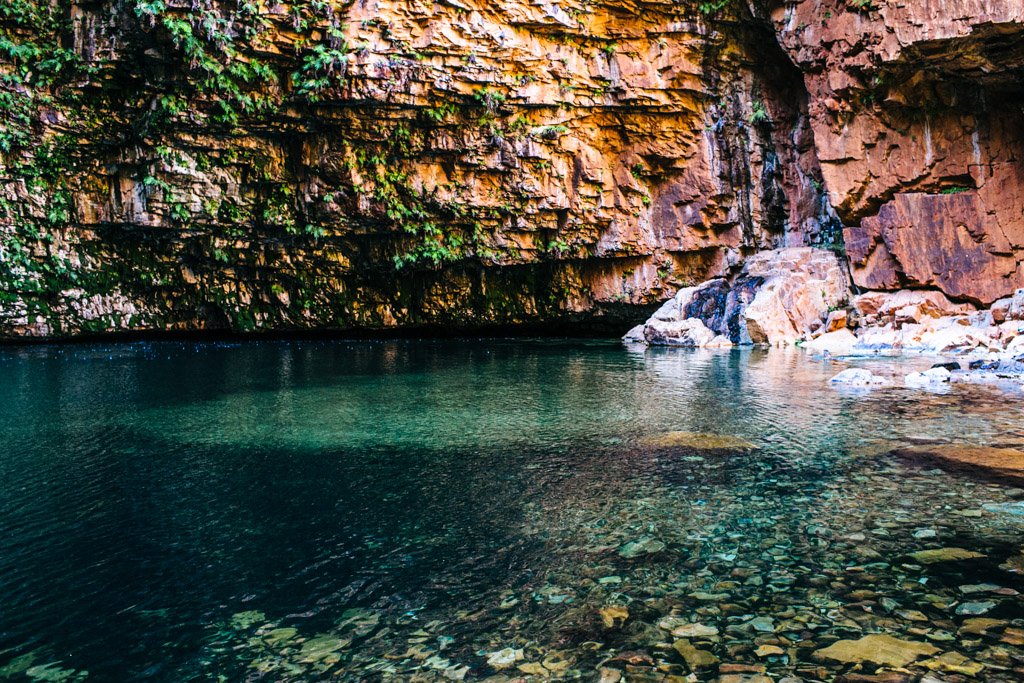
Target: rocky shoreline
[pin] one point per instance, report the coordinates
(802, 297)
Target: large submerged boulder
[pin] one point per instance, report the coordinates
(778, 298)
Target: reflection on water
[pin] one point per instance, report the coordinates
(490, 509)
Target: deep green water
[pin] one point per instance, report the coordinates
(404, 510)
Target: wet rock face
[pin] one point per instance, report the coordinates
(209, 165)
(934, 240)
(337, 165)
(916, 114)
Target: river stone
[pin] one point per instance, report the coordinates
(503, 659)
(927, 378)
(682, 629)
(1015, 508)
(954, 662)
(857, 377)
(614, 615)
(698, 441)
(944, 555)
(641, 546)
(243, 620)
(979, 625)
(912, 615)
(280, 636)
(533, 669)
(1007, 462)
(762, 624)
(975, 608)
(839, 342)
(694, 657)
(322, 648)
(968, 589)
(879, 649)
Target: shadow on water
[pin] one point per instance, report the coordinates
(383, 510)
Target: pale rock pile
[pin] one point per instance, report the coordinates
(927, 322)
(801, 296)
(779, 298)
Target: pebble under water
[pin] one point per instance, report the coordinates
(496, 510)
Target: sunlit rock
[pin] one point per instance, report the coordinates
(841, 342)
(858, 377)
(928, 378)
(698, 441)
(879, 649)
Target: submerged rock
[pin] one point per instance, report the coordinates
(695, 658)
(1001, 462)
(858, 377)
(1015, 508)
(975, 608)
(879, 649)
(244, 620)
(944, 555)
(323, 648)
(681, 628)
(614, 615)
(698, 441)
(980, 625)
(642, 546)
(504, 659)
(954, 662)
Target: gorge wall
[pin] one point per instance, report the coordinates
(247, 165)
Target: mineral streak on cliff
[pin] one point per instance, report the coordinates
(917, 114)
(245, 165)
(339, 164)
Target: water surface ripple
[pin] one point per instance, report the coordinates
(446, 510)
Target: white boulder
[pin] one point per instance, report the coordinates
(838, 343)
(928, 378)
(688, 332)
(858, 377)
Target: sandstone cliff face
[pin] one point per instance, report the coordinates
(389, 163)
(917, 115)
(180, 165)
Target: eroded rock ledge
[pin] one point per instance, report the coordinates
(208, 165)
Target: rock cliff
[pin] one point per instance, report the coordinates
(916, 108)
(253, 165)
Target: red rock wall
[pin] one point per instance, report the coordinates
(521, 162)
(477, 163)
(917, 115)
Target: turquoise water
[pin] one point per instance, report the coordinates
(446, 510)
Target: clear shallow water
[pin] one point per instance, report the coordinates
(404, 510)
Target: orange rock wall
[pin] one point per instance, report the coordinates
(473, 164)
(917, 117)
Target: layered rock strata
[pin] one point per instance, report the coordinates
(210, 165)
(917, 117)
